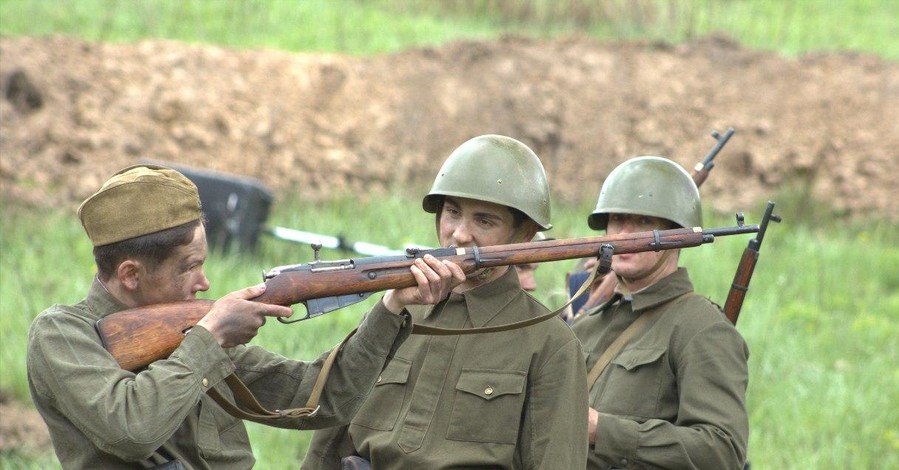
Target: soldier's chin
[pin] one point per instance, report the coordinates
(476, 274)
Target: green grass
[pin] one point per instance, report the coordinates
(366, 27)
(822, 313)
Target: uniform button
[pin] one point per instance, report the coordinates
(205, 382)
(488, 391)
(379, 379)
(623, 461)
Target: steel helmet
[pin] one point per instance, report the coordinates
(497, 169)
(652, 186)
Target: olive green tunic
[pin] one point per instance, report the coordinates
(674, 396)
(512, 400)
(101, 416)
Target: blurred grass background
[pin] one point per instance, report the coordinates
(822, 314)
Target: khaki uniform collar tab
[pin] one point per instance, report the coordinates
(101, 302)
(486, 301)
(675, 285)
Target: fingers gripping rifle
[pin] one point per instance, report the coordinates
(738, 288)
(140, 336)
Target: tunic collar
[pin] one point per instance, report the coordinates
(674, 285)
(100, 302)
(484, 302)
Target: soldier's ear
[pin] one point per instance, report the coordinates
(128, 273)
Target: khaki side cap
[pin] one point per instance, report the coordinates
(139, 200)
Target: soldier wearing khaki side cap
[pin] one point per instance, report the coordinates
(147, 229)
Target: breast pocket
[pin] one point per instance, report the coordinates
(383, 406)
(216, 427)
(633, 385)
(487, 406)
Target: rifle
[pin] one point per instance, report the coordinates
(738, 288)
(701, 170)
(139, 336)
(606, 285)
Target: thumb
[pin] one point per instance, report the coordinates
(249, 293)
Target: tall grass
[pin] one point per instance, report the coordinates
(366, 27)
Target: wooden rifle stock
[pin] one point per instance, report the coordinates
(605, 286)
(139, 336)
(740, 286)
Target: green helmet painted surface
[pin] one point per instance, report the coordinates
(497, 169)
(652, 186)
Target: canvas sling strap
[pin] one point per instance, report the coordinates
(625, 336)
(246, 406)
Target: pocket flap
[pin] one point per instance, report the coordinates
(489, 384)
(396, 372)
(636, 357)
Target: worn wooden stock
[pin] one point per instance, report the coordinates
(750, 258)
(140, 336)
(737, 293)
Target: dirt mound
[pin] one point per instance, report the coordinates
(21, 428)
(74, 112)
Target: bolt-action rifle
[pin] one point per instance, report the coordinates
(139, 336)
(738, 288)
(606, 286)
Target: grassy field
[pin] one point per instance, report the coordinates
(821, 318)
(366, 27)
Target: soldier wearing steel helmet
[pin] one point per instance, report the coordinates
(512, 399)
(674, 395)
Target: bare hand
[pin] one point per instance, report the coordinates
(235, 320)
(436, 279)
(592, 421)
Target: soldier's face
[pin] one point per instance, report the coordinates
(468, 222)
(526, 276)
(177, 278)
(643, 265)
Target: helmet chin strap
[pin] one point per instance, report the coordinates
(626, 281)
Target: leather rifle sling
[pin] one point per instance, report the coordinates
(246, 406)
(436, 331)
(623, 338)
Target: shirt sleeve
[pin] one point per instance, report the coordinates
(711, 429)
(126, 414)
(281, 383)
(326, 449)
(555, 418)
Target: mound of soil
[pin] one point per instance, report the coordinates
(21, 429)
(74, 112)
